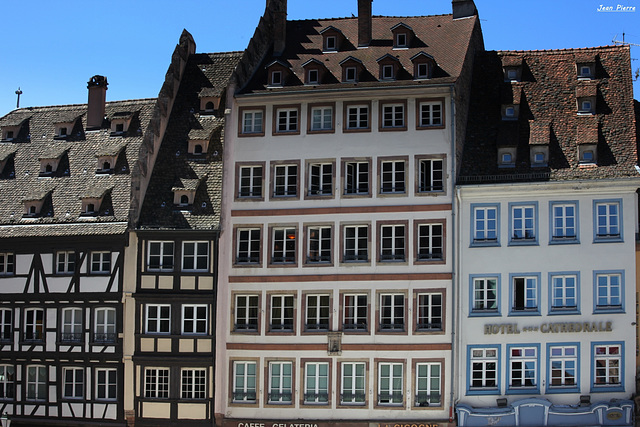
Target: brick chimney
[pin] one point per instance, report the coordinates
(279, 14)
(97, 96)
(463, 8)
(364, 22)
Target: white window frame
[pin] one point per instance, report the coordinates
(317, 312)
(276, 78)
(525, 294)
(280, 383)
(353, 384)
(287, 252)
(287, 120)
(195, 319)
(34, 324)
(105, 331)
(356, 243)
(608, 220)
(564, 225)
(245, 306)
(252, 121)
(316, 383)
(285, 174)
(429, 316)
(74, 378)
(7, 382)
(7, 266)
(195, 255)
(428, 384)
(165, 255)
(523, 367)
(6, 324)
(250, 181)
(101, 262)
(321, 118)
(245, 390)
(608, 365)
(393, 177)
(431, 176)
(320, 179)
(423, 70)
(393, 245)
(390, 393)
(483, 361)
(358, 117)
(351, 74)
(523, 223)
(193, 383)
(72, 319)
(564, 292)
(484, 295)
(248, 246)
(387, 72)
(392, 312)
(37, 382)
(156, 383)
(106, 387)
(356, 312)
(401, 40)
(330, 43)
(430, 114)
(65, 262)
(563, 360)
(609, 291)
(393, 116)
(319, 244)
(430, 241)
(313, 76)
(486, 223)
(282, 313)
(355, 178)
(157, 318)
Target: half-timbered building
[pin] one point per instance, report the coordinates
(65, 192)
(176, 244)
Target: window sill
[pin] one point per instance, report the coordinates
(563, 312)
(485, 313)
(607, 388)
(427, 127)
(523, 313)
(616, 239)
(483, 391)
(564, 241)
(524, 242)
(523, 390)
(484, 243)
(560, 390)
(607, 310)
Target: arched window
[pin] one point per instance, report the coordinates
(197, 149)
(106, 166)
(184, 199)
(209, 106)
(48, 168)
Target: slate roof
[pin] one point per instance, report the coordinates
(547, 97)
(441, 37)
(21, 181)
(175, 168)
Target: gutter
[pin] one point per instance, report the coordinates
(454, 275)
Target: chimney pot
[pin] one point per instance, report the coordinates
(364, 22)
(97, 86)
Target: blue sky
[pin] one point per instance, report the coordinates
(50, 49)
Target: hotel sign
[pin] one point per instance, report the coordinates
(548, 328)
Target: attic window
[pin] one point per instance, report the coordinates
(8, 136)
(585, 70)
(106, 164)
(330, 43)
(587, 154)
(586, 105)
(512, 74)
(90, 206)
(61, 131)
(183, 197)
(387, 72)
(510, 112)
(32, 208)
(209, 104)
(423, 70)
(350, 74)
(539, 157)
(507, 157)
(312, 76)
(48, 166)
(198, 146)
(276, 78)
(401, 40)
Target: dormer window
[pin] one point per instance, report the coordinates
(198, 146)
(48, 166)
(387, 72)
(586, 71)
(8, 136)
(32, 208)
(10, 132)
(539, 156)
(510, 112)
(276, 78)
(330, 43)
(402, 35)
(506, 157)
(106, 164)
(62, 131)
(422, 71)
(183, 197)
(120, 122)
(423, 66)
(90, 206)
(331, 39)
(312, 76)
(209, 104)
(586, 105)
(350, 74)
(587, 154)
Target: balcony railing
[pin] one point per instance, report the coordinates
(104, 338)
(71, 337)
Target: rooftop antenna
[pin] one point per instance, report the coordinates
(623, 41)
(18, 92)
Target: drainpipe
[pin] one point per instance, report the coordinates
(454, 276)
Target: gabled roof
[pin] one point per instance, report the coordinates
(66, 191)
(175, 168)
(443, 38)
(548, 114)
